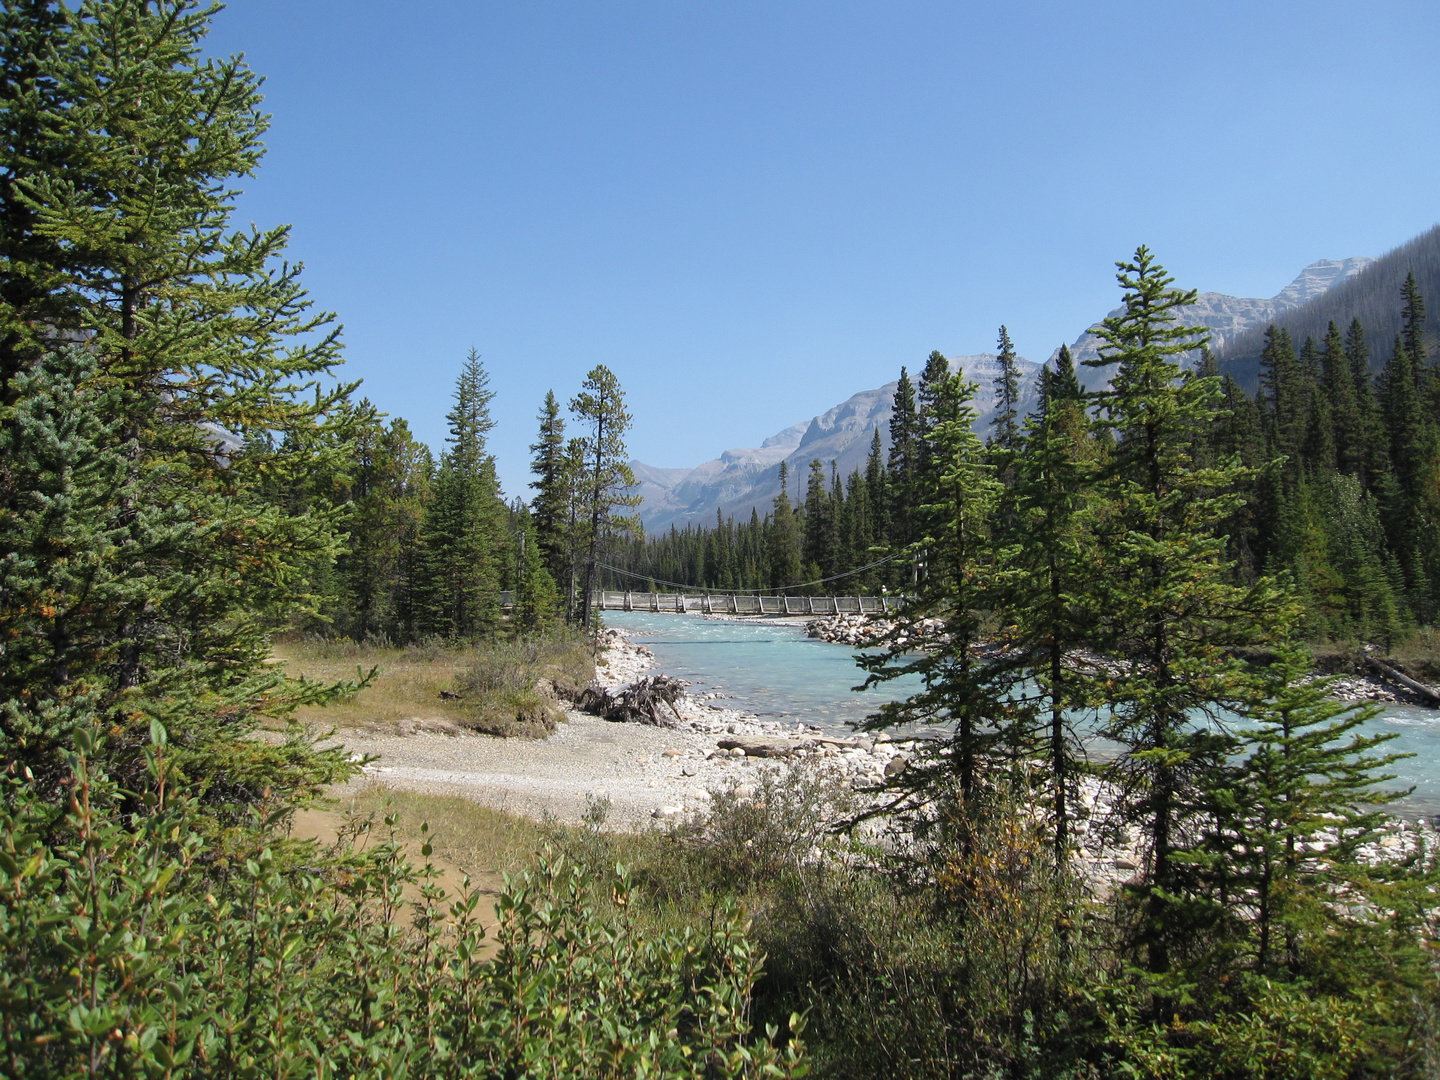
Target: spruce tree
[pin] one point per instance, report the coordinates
(1373, 453)
(463, 533)
(1339, 384)
(903, 463)
(877, 493)
(551, 486)
(1049, 566)
(1007, 397)
(814, 552)
(965, 690)
(607, 481)
(208, 375)
(1298, 807)
(783, 543)
(1167, 606)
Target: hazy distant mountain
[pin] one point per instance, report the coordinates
(738, 480)
(1230, 317)
(1372, 295)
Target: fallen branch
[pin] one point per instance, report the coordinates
(1385, 671)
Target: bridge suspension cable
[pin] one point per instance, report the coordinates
(776, 589)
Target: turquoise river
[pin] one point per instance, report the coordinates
(780, 674)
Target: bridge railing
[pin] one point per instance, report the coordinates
(739, 603)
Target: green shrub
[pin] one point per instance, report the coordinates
(517, 687)
(136, 951)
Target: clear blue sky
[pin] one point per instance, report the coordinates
(750, 211)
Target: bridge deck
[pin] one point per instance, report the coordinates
(742, 603)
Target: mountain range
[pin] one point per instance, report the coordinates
(744, 479)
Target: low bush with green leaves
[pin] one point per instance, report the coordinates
(134, 949)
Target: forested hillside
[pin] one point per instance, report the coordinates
(1341, 439)
(1368, 296)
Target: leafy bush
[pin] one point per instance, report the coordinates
(136, 951)
(516, 687)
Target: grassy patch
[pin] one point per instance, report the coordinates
(476, 839)
(509, 687)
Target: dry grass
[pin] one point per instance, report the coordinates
(495, 683)
(479, 841)
(1419, 655)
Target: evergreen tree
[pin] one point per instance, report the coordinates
(1344, 408)
(1049, 565)
(548, 510)
(1164, 595)
(783, 545)
(1373, 454)
(1007, 397)
(815, 553)
(1298, 808)
(964, 690)
(903, 463)
(607, 480)
(877, 494)
(537, 601)
(389, 483)
(463, 532)
(207, 380)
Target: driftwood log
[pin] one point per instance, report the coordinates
(641, 701)
(1427, 694)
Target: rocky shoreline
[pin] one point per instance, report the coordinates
(649, 774)
(1107, 852)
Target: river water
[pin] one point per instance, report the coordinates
(780, 674)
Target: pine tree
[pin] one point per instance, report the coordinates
(548, 509)
(463, 533)
(877, 494)
(537, 600)
(607, 479)
(1339, 384)
(389, 482)
(1373, 454)
(1298, 808)
(964, 690)
(1163, 592)
(1007, 397)
(208, 374)
(814, 551)
(783, 545)
(903, 463)
(1049, 565)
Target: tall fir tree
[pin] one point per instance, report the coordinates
(207, 374)
(1166, 599)
(1048, 566)
(548, 509)
(607, 482)
(464, 534)
(783, 546)
(963, 689)
(903, 463)
(1006, 420)
(1296, 810)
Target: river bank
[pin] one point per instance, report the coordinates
(646, 773)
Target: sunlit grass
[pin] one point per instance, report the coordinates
(495, 682)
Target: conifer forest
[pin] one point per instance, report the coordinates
(1123, 591)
